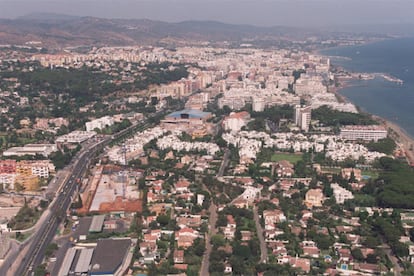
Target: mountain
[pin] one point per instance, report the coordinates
(56, 30)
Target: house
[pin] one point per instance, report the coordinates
(306, 214)
(302, 263)
(283, 168)
(146, 221)
(185, 237)
(186, 159)
(185, 241)
(178, 256)
(347, 173)
(314, 198)
(341, 194)
(192, 221)
(366, 251)
(311, 251)
(344, 229)
(368, 268)
(241, 203)
(271, 217)
(344, 254)
(230, 229)
(182, 186)
(275, 201)
(286, 184)
(146, 248)
(290, 193)
(246, 235)
(188, 232)
(273, 233)
(353, 239)
(228, 268)
(235, 121)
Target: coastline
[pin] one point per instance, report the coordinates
(404, 141)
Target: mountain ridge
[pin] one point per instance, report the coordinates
(59, 30)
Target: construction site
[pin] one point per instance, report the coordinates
(111, 188)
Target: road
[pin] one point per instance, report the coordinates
(31, 253)
(259, 229)
(205, 263)
(212, 219)
(224, 164)
(396, 266)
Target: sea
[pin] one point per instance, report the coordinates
(390, 100)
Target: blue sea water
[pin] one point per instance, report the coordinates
(378, 96)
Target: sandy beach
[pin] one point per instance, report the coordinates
(401, 137)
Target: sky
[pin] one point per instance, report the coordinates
(312, 13)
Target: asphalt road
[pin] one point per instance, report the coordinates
(31, 254)
(36, 249)
(259, 229)
(212, 220)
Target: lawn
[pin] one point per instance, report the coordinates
(371, 174)
(291, 157)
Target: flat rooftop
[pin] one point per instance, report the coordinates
(190, 113)
(109, 255)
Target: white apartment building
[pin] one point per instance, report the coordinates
(42, 169)
(31, 149)
(361, 132)
(7, 180)
(258, 104)
(76, 137)
(100, 123)
(235, 121)
(341, 194)
(303, 117)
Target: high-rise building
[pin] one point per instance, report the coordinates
(302, 117)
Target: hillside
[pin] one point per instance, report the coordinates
(62, 30)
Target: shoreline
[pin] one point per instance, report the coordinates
(404, 141)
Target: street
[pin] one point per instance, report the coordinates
(259, 230)
(212, 231)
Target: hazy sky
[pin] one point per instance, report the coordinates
(255, 12)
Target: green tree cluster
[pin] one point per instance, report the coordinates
(330, 117)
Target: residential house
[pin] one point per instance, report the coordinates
(314, 198)
(178, 256)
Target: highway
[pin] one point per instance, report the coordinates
(57, 212)
(31, 253)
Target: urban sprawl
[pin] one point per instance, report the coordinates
(195, 161)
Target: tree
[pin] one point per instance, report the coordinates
(52, 247)
(216, 267)
(400, 249)
(40, 270)
(357, 254)
(372, 258)
(163, 220)
(218, 240)
(324, 241)
(242, 251)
